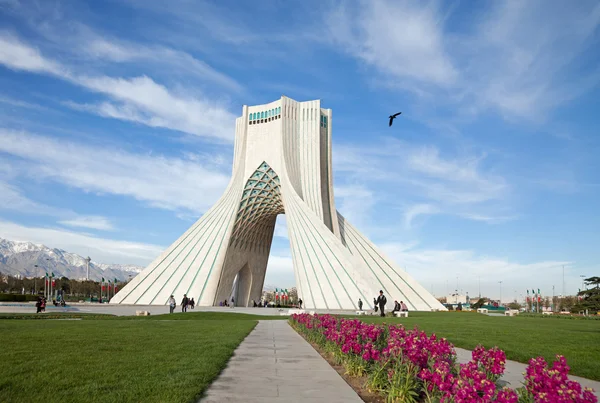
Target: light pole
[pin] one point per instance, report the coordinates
(480, 287)
(35, 280)
(87, 264)
(500, 291)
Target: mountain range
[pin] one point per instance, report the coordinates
(20, 258)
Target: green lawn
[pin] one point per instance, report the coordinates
(520, 337)
(149, 360)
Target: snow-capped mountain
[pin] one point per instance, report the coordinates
(22, 257)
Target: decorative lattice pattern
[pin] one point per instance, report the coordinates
(260, 204)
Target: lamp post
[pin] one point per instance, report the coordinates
(35, 280)
(87, 264)
(479, 286)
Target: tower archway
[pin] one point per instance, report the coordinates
(251, 237)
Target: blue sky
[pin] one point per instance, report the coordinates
(117, 122)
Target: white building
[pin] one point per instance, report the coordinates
(282, 164)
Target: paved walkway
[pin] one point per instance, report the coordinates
(513, 373)
(275, 364)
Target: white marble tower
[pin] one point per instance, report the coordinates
(282, 164)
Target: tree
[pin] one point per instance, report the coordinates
(590, 297)
(514, 305)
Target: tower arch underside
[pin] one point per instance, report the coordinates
(251, 237)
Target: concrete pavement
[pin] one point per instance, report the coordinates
(275, 364)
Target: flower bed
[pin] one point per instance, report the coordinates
(410, 366)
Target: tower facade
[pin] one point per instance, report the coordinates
(282, 164)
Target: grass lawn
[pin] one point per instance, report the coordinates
(147, 359)
(520, 337)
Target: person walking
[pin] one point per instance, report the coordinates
(360, 304)
(300, 303)
(375, 304)
(38, 305)
(192, 303)
(184, 303)
(172, 304)
(381, 301)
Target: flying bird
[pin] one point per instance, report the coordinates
(392, 117)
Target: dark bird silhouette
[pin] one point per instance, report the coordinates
(392, 117)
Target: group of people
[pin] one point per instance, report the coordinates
(379, 304)
(185, 303)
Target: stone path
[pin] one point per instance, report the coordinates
(275, 364)
(513, 373)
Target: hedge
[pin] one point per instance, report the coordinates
(17, 297)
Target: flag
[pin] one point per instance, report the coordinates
(47, 279)
(102, 284)
(115, 286)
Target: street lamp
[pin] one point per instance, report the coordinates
(500, 291)
(35, 280)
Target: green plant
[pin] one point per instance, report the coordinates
(17, 297)
(404, 384)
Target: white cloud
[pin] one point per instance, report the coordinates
(160, 181)
(417, 210)
(17, 55)
(400, 39)
(138, 99)
(126, 52)
(280, 271)
(11, 198)
(521, 59)
(419, 180)
(92, 222)
(101, 249)
(440, 267)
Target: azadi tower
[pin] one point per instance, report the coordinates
(281, 165)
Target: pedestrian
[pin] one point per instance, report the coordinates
(300, 303)
(184, 303)
(172, 304)
(192, 303)
(375, 304)
(38, 305)
(232, 302)
(381, 301)
(360, 304)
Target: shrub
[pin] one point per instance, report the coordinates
(17, 297)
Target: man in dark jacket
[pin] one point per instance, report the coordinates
(381, 301)
(184, 303)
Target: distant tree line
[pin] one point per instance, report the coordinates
(73, 288)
